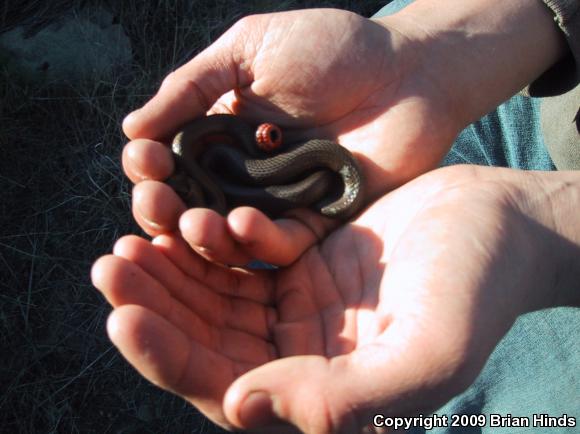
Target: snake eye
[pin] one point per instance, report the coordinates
(268, 137)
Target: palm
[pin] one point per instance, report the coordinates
(328, 296)
(335, 74)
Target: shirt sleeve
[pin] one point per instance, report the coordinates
(565, 74)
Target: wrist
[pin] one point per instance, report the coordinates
(549, 203)
(541, 234)
(481, 52)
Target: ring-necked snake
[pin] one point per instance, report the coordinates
(219, 165)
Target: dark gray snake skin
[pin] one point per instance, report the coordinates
(219, 166)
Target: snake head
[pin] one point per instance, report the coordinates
(268, 137)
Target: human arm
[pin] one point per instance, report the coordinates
(483, 52)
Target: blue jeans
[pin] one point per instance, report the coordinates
(535, 369)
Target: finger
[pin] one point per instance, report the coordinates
(146, 159)
(247, 234)
(123, 283)
(169, 359)
(207, 233)
(156, 207)
(216, 309)
(255, 285)
(191, 90)
(278, 242)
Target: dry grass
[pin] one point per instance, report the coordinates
(64, 201)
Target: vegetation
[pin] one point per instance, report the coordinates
(64, 202)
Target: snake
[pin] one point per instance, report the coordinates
(222, 162)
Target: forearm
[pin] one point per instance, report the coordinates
(482, 51)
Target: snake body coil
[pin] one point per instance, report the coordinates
(219, 166)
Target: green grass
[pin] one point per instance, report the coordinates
(64, 202)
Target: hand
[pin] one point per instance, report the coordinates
(394, 313)
(316, 73)
(395, 91)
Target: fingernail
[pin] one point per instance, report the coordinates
(138, 199)
(257, 410)
(204, 251)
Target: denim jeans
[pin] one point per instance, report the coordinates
(535, 369)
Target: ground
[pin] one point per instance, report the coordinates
(64, 201)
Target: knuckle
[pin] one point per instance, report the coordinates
(169, 80)
(245, 23)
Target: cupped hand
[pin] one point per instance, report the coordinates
(316, 73)
(394, 313)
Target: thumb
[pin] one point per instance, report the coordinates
(342, 394)
(297, 390)
(191, 90)
(317, 394)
